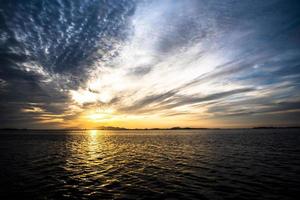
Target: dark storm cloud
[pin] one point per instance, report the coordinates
(47, 47)
(61, 35)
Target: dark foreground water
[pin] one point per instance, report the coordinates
(196, 164)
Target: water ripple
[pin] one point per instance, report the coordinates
(165, 165)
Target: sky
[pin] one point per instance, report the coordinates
(146, 64)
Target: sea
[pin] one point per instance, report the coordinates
(150, 164)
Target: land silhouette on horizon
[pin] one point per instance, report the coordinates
(124, 129)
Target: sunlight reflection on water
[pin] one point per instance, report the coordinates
(150, 164)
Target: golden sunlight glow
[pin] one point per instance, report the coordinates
(94, 133)
(99, 115)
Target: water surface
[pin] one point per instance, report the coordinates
(192, 164)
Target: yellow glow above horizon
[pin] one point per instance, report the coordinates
(99, 115)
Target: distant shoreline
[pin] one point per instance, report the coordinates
(143, 129)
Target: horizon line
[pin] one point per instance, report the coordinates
(110, 128)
